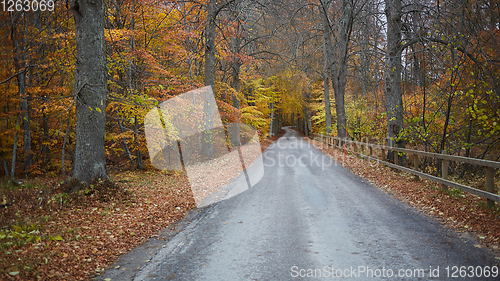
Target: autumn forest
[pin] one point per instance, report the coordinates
(78, 78)
(425, 73)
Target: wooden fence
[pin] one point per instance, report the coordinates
(359, 148)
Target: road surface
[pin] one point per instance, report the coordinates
(311, 219)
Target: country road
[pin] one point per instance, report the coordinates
(310, 218)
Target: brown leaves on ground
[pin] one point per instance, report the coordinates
(48, 234)
(265, 143)
(459, 210)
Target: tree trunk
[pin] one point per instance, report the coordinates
(132, 81)
(124, 143)
(339, 91)
(338, 65)
(326, 67)
(140, 164)
(207, 143)
(19, 63)
(340, 78)
(450, 103)
(45, 139)
(306, 127)
(466, 167)
(307, 114)
(235, 84)
(189, 51)
(271, 117)
(235, 132)
(207, 134)
(393, 95)
(4, 161)
(14, 149)
(210, 26)
(28, 156)
(63, 170)
(277, 122)
(90, 91)
(235, 63)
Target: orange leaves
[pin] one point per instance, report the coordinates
(228, 113)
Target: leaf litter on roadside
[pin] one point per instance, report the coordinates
(48, 233)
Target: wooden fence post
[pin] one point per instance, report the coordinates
(415, 166)
(490, 184)
(444, 170)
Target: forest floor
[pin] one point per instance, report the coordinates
(461, 211)
(49, 233)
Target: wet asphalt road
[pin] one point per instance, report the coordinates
(308, 218)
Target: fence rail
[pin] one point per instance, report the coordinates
(490, 165)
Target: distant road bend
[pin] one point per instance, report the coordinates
(310, 218)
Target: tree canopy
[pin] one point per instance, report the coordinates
(424, 73)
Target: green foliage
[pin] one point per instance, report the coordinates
(252, 116)
(23, 234)
(319, 117)
(8, 184)
(362, 122)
